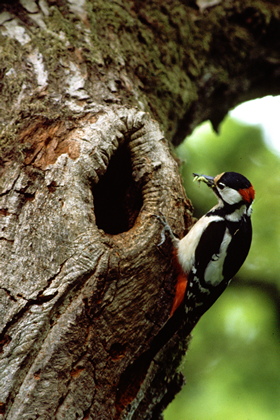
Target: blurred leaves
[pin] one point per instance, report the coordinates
(232, 368)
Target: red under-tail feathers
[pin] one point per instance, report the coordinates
(181, 285)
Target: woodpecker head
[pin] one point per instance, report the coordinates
(231, 188)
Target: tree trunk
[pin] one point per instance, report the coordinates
(92, 94)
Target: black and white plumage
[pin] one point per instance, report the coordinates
(217, 245)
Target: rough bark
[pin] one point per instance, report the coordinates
(90, 92)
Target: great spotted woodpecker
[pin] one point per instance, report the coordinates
(216, 246)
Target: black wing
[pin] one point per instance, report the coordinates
(239, 246)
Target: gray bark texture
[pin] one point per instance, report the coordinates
(93, 93)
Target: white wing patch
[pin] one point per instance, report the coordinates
(214, 271)
(188, 244)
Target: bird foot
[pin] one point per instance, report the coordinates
(166, 228)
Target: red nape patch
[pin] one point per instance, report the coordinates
(248, 194)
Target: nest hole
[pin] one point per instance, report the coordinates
(117, 197)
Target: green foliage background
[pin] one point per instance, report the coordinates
(232, 368)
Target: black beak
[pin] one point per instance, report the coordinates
(209, 180)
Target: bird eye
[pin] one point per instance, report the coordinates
(221, 185)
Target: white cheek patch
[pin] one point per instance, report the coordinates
(230, 196)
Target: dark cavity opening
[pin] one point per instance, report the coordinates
(117, 197)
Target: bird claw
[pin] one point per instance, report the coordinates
(166, 228)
